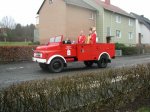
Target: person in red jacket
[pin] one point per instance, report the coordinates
(81, 38)
(93, 36)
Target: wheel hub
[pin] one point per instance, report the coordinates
(56, 65)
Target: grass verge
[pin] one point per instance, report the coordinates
(14, 43)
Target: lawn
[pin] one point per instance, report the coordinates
(14, 43)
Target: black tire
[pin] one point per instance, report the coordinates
(43, 66)
(103, 62)
(88, 63)
(56, 65)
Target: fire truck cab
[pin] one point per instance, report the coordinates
(57, 53)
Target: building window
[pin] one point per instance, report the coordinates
(50, 1)
(118, 19)
(130, 22)
(130, 35)
(108, 31)
(118, 33)
(91, 16)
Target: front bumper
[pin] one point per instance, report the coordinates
(39, 60)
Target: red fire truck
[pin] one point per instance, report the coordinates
(57, 53)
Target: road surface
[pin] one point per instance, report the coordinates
(25, 71)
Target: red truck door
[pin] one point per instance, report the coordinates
(84, 52)
(68, 50)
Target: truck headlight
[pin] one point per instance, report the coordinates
(37, 54)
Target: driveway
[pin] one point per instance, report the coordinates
(25, 71)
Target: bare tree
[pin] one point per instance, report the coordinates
(8, 22)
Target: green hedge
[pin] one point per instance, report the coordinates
(15, 53)
(119, 46)
(134, 50)
(130, 50)
(105, 91)
(127, 50)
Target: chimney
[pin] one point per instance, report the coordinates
(107, 2)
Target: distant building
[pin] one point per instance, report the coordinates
(142, 29)
(114, 23)
(65, 17)
(69, 17)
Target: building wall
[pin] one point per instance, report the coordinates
(110, 21)
(138, 30)
(99, 19)
(60, 18)
(145, 32)
(78, 19)
(52, 20)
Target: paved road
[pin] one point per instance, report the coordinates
(24, 71)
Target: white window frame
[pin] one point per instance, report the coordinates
(50, 1)
(130, 35)
(92, 16)
(118, 35)
(130, 22)
(118, 19)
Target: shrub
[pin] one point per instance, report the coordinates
(130, 50)
(15, 53)
(107, 91)
(119, 46)
(127, 50)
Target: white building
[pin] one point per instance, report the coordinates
(142, 29)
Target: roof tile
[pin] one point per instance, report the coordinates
(113, 8)
(142, 20)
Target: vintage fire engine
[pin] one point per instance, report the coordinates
(57, 53)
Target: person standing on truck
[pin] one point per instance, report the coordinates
(81, 38)
(89, 36)
(93, 36)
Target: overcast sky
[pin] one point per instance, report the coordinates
(24, 11)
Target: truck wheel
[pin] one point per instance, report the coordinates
(43, 66)
(102, 63)
(88, 63)
(56, 65)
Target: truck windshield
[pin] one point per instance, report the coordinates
(52, 40)
(55, 39)
(58, 39)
